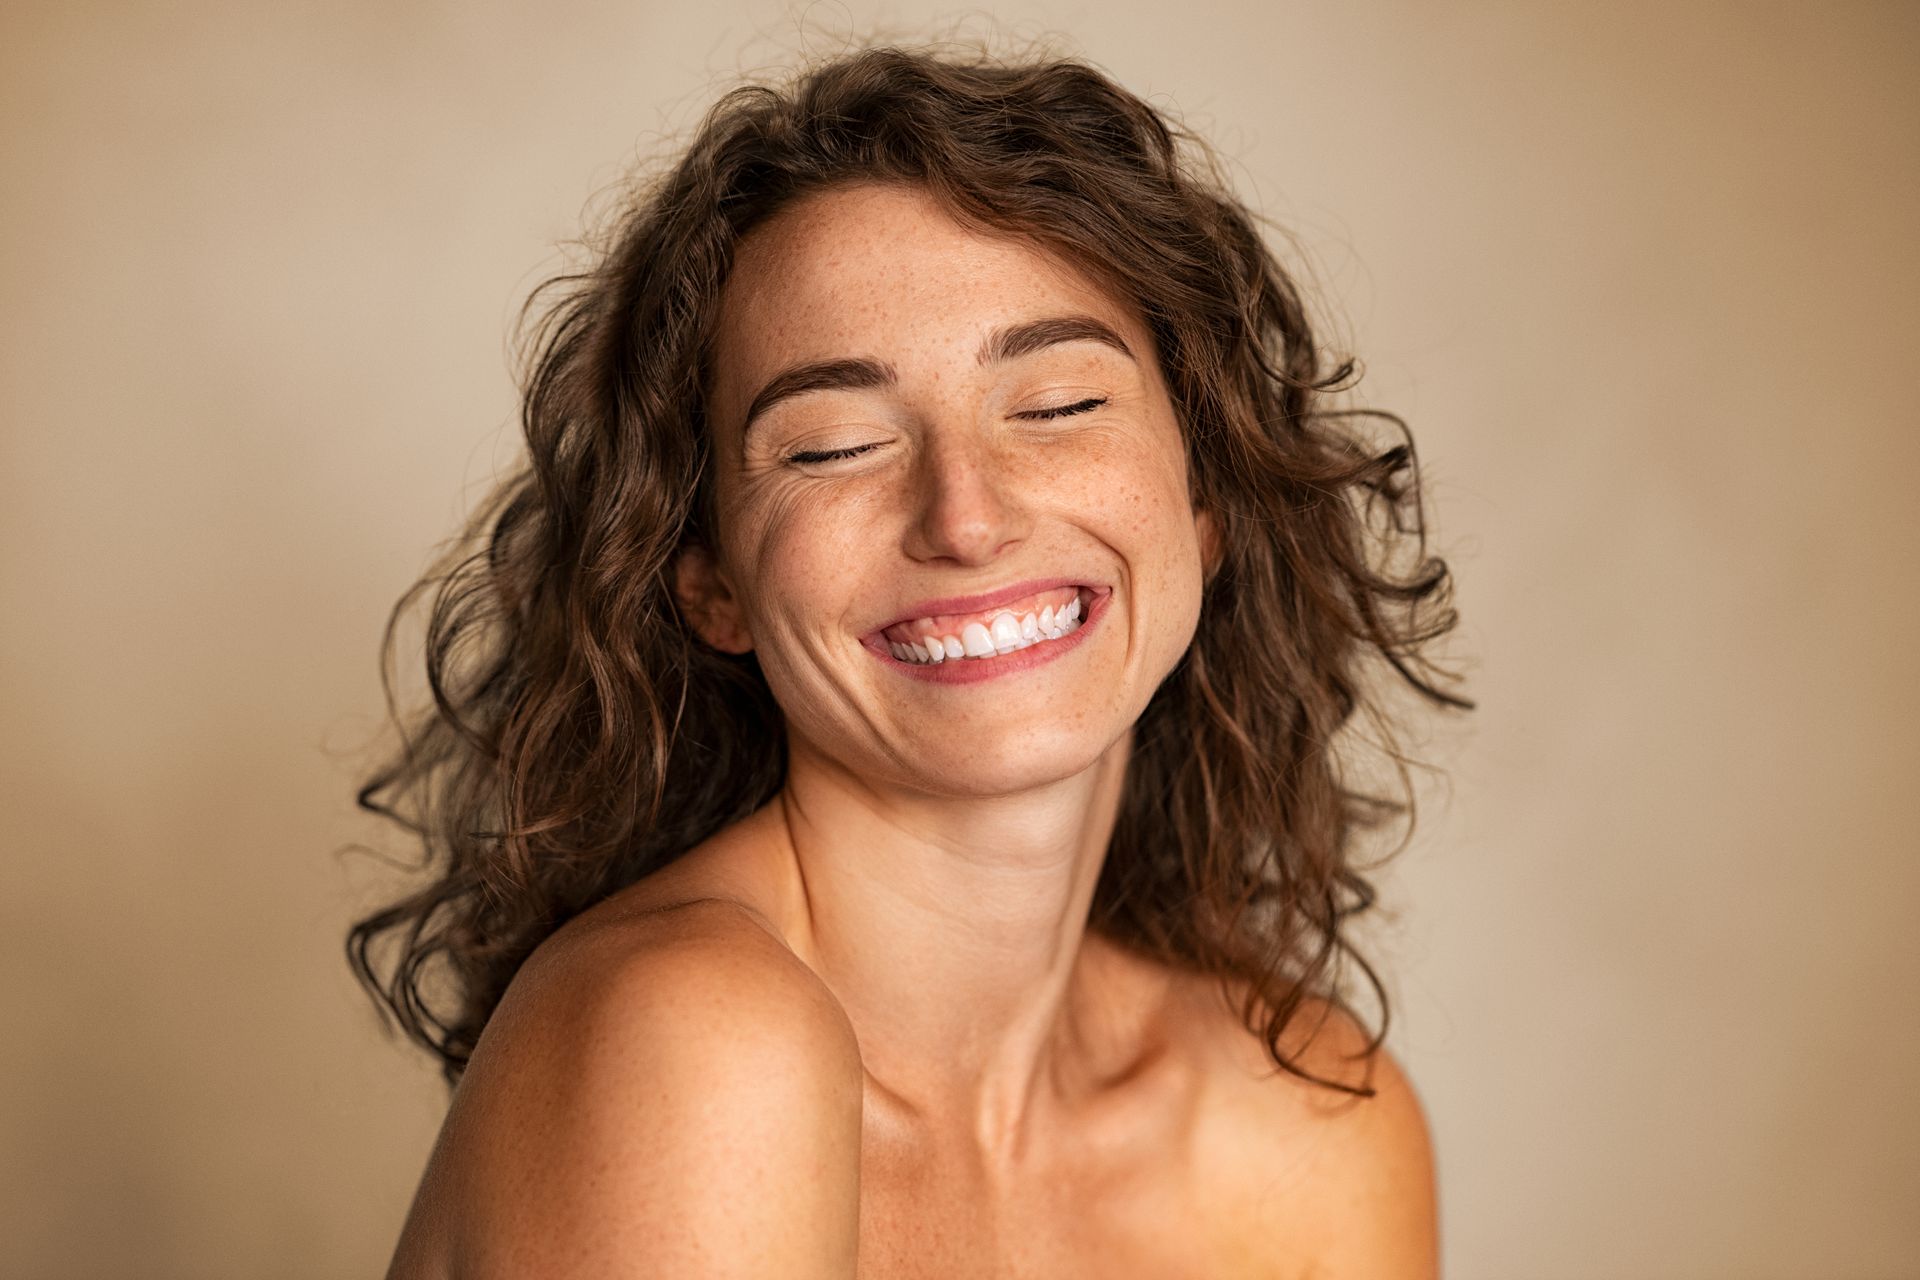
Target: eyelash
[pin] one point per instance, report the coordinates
(1058, 411)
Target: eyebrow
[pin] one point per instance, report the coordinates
(821, 375)
(859, 373)
(1019, 340)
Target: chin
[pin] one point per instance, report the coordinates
(1009, 766)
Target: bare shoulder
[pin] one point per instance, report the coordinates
(1316, 1182)
(664, 1090)
(635, 976)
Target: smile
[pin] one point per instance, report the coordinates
(1010, 636)
(1046, 617)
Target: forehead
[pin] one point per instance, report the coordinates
(885, 271)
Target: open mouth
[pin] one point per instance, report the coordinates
(1039, 618)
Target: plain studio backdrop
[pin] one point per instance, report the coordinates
(1642, 278)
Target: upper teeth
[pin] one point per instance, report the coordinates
(1006, 633)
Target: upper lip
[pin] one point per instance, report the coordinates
(986, 600)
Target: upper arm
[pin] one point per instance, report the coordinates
(685, 1106)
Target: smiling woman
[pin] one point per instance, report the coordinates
(883, 783)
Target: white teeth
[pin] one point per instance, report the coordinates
(1006, 633)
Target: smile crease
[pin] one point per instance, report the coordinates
(1005, 632)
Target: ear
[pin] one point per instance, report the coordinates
(1212, 548)
(708, 600)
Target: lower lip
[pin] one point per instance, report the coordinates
(974, 670)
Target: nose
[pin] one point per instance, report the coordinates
(968, 502)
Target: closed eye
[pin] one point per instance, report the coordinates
(1057, 411)
(1061, 411)
(829, 455)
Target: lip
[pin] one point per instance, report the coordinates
(1004, 595)
(965, 671)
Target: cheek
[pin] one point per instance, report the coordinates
(1149, 512)
(1140, 491)
(796, 547)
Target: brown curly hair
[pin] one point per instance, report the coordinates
(581, 736)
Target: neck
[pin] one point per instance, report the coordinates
(952, 930)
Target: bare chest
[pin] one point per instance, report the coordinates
(1137, 1220)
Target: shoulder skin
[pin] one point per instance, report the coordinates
(665, 1093)
(1323, 1184)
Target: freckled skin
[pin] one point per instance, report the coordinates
(955, 495)
(1035, 1099)
(1032, 1098)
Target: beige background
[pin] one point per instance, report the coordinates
(1642, 277)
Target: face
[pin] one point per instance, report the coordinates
(925, 439)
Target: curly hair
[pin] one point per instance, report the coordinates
(580, 735)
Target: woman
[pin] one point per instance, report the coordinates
(882, 777)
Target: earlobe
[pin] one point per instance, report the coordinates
(1211, 547)
(707, 600)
